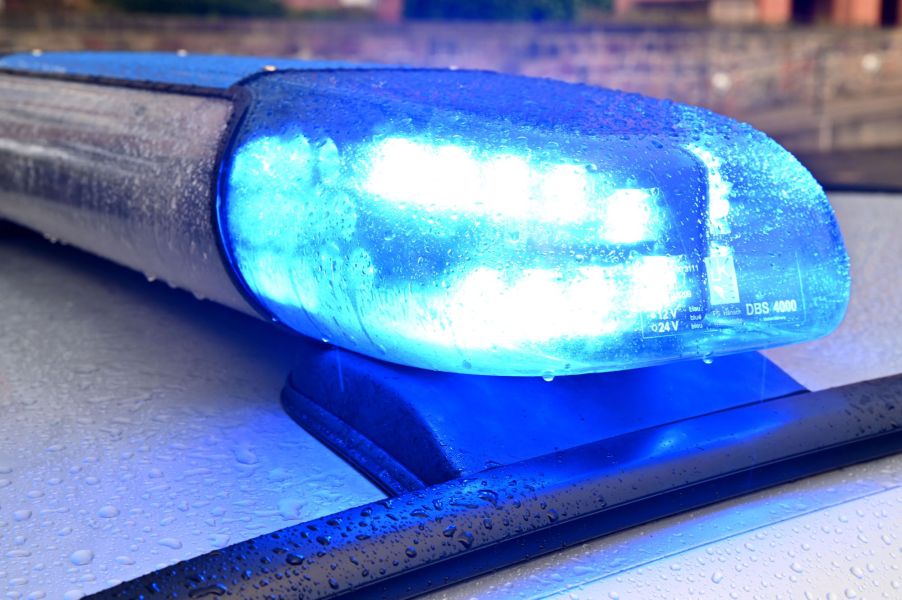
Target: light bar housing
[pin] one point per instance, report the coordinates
(481, 223)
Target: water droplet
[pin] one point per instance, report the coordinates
(81, 557)
(548, 376)
(333, 583)
(170, 543)
(245, 455)
(74, 595)
(278, 474)
(411, 551)
(213, 590)
(489, 496)
(108, 512)
(449, 531)
(796, 567)
(290, 508)
(21, 515)
(294, 559)
(717, 577)
(466, 539)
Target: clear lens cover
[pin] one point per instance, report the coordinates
(481, 223)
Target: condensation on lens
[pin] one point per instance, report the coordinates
(480, 223)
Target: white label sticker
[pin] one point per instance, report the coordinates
(722, 285)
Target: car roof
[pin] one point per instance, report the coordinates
(141, 426)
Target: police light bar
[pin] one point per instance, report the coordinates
(459, 221)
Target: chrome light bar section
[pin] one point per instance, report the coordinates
(123, 172)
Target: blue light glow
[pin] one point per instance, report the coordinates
(454, 222)
(453, 179)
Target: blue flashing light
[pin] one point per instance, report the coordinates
(481, 223)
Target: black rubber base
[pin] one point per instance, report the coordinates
(407, 428)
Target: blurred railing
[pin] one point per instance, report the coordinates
(815, 89)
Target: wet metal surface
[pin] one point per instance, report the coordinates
(422, 540)
(139, 427)
(142, 427)
(836, 533)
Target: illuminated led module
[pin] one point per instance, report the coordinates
(481, 223)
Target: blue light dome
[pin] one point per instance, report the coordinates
(480, 223)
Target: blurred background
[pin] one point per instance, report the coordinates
(824, 77)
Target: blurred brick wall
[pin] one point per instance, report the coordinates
(812, 88)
